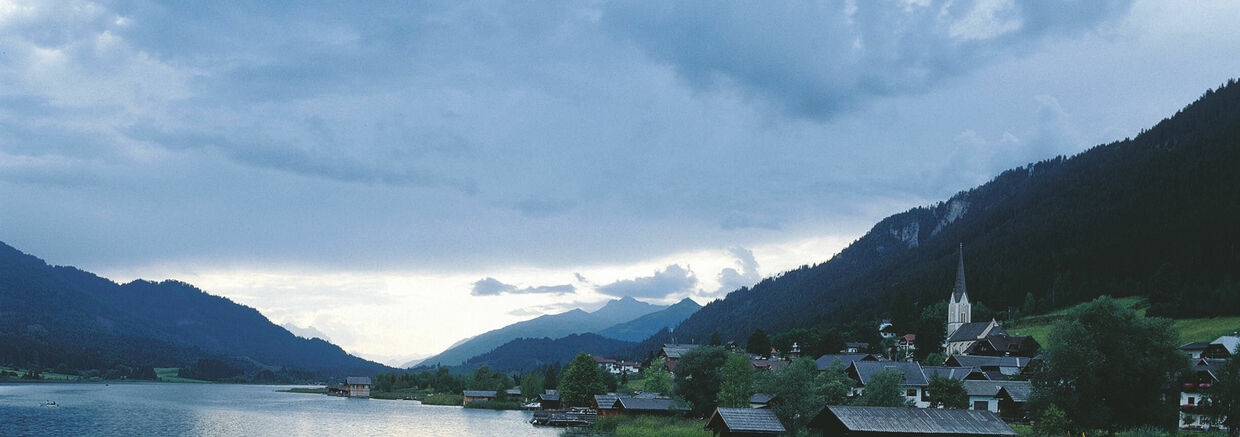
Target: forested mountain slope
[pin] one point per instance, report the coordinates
(1151, 216)
(61, 315)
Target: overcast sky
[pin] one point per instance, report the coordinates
(398, 177)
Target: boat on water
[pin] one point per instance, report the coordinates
(50, 404)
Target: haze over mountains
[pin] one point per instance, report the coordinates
(554, 326)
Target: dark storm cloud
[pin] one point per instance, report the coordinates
(670, 281)
(493, 287)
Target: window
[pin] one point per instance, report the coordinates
(1192, 400)
(912, 392)
(981, 405)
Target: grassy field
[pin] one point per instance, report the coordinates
(169, 374)
(634, 426)
(48, 376)
(443, 399)
(1202, 329)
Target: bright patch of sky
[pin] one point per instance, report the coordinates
(398, 177)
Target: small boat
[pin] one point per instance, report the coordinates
(50, 404)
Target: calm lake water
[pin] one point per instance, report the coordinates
(159, 409)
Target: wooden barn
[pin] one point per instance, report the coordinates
(353, 387)
(476, 395)
(742, 422)
(849, 421)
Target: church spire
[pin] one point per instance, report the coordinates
(958, 292)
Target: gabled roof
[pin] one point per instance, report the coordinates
(1017, 392)
(634, 404)
(991, 388)
(1194, 346)
(357, 380)
(974, 331)
(857, 344)
(956, 373)
(1006, 344)
(1231, 342)
(985, 362)
(605, 402)
(911, 372)
(825, 361)
(479, 393)
(761, 398)
(769, 363)
(746, 420)
(549, 397)
(675, 350)
(912, 421)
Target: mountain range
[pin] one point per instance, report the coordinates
(65, 317)
(550, 326)
(1150, 216)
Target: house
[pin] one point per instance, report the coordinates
(844, 360)
(967, 334)
(769, 363)
(1196, 349)
(906, 345)
(997, 368)
(1002, 345)
(956, 373)
(850, 421)
(761, 400)
(476, 395)
(549, 400)
(1203, 375)
(649, 407)
(1230, 343)
(886, 329)
(741, 422)
(605, 405)
(912, 378)
(855, 348)
(671, 352)
(1012, 400)
(617, 367)
(354, 387)
(985, 395)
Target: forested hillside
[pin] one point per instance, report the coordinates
(531, 353)
(62, 317)
(1149, 216)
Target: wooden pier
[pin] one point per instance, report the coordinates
(564, 418)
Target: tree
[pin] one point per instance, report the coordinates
(947, 393)
(532, 385)
(1095, 356)
(715, 340)
(801, 391)
(581, 382)
(736, 382)
(551, 379)
(935, 359)
(884, 390)
(931, 331)
(758, 343)
(698, 378)
(656, 377)
(501, 393)
(1224, 397)
(1052, 422)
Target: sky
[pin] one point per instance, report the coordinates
(396, 177)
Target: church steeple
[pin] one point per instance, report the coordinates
(959, 310)
(958, 292)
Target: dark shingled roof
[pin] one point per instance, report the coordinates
(973, 331)
(956, 373)
(825, 361)
(1194, 346)
(634, 404)
(549, 397)
(357, 380)
(746, 420)
(605, 402)
(913, 421)
(761, 398)
(983, 362)
(479, 393)
(991, 388)
(913, 376)
(674, 351)
(1017, 392)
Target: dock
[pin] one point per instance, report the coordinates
(564, 418)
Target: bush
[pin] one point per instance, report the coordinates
(494, 405)
(635, 426)
(443, 399)
(1145, 431)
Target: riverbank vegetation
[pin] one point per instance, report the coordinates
(635, 426)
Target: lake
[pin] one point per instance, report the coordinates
(153, 409)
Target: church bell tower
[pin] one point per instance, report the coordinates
(959, 310)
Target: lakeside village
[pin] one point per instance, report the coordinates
(985, 383)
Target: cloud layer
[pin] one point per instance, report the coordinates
(670, 281)
(493, 287)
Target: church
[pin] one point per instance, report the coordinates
(964, 336)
